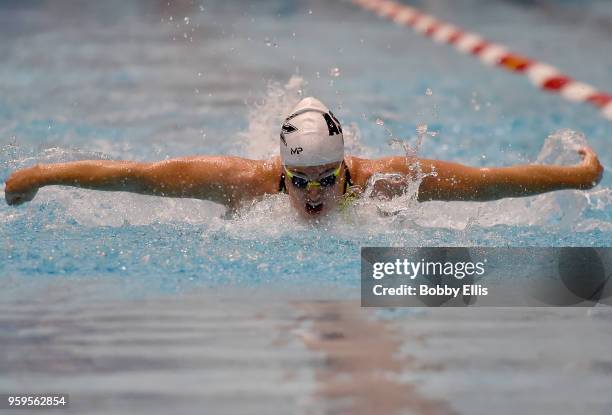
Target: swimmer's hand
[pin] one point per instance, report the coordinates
(22, 186)
(590, 169)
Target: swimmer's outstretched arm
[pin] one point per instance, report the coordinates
(226, 180)
(456, 182)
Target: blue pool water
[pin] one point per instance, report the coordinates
(147, 83)
(155, 80)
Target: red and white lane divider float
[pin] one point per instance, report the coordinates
(540, 74)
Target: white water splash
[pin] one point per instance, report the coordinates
(562, 147)
(560, 210)
(371, 215)
(91, 208)
(260, 140)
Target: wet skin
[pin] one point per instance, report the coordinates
(315, 201)
(235, 181)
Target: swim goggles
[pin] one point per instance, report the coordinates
(303, 183)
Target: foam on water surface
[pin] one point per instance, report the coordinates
(83, 271)
(286, 243)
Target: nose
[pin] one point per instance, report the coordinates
(313, 192)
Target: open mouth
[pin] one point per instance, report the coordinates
(314, 208)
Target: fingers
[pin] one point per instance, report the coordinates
(11, 199)
(586, 152)
(590, 162)
(18, 188)
(589, 157)
(16, 192)
(14, 201)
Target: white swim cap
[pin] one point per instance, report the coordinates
(311, 135)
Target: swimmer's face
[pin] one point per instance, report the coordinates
(314, 201)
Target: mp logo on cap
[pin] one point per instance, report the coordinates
(311, 135)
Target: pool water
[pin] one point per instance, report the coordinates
(155, 80)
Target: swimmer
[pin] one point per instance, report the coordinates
(312, 169)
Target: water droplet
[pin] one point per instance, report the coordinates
(379, 121)
(269, 42)
(171, 18)
(186, 20)
(394, 141)
(199, 73)
(318, 74)
(201, 8)
(428, 92)
(335, 72)
(433, 133)
(421, 129)
(185, 35)
(309, 11)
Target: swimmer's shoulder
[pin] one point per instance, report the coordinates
(264, 175)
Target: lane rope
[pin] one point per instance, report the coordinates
(544, 76)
